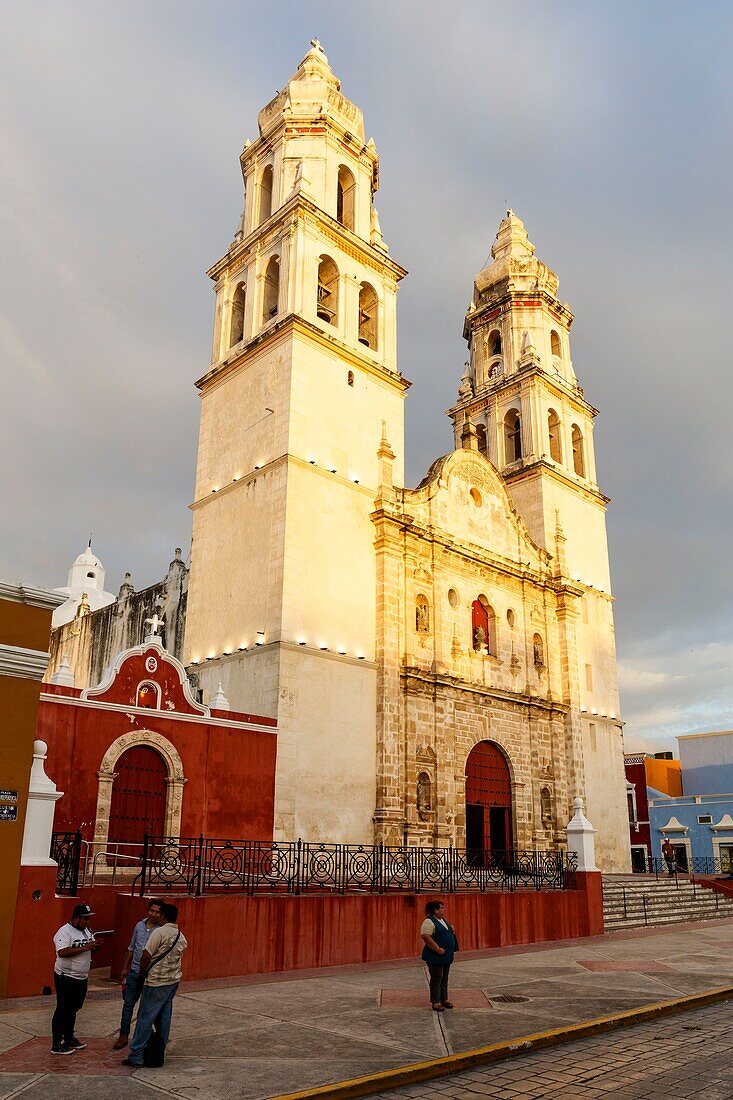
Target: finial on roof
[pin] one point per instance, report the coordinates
(219, 700)
(317, 45)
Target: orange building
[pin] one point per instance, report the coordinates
(25, 625)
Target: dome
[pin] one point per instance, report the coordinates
(86, 578)
(87, 557)
(313, 91)
(513, 260)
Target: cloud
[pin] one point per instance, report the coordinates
(601, 125)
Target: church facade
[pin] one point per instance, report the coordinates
(440, 661)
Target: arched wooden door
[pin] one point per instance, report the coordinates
(488, 801)
(138, 796)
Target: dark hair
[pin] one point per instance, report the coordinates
(170, 912)
(432, 907)
(156, 901)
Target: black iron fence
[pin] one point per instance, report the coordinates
(66, 851)
(203, 866)
(683, 864)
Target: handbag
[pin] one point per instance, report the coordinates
(154, 1052)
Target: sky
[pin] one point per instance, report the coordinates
(606, 127)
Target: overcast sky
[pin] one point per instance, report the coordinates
(607, 127)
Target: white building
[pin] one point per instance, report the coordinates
(441, 661)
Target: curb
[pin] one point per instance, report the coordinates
(386, 1080)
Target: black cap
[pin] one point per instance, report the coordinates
(81, 911)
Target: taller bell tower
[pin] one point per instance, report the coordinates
(520, 403)
(303, 378)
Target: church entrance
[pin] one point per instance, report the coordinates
(488, 802)
(138, 796)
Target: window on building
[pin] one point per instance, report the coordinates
(512, 436)
(236, 324)
(555, 345)
(578, 453)
(553, 430)
(148, 695)
(271, 292)
(483, 627)
(368, 316)
(346, 198)
(538, 650)
(704, 819)
(631, 802)
(328, 291)
(422, 615)
(265, 204)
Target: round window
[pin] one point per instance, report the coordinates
(452, 597)
(510, 618)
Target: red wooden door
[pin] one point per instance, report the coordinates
(489, 785)
(138, 796)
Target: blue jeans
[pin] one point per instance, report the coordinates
(156, 1007)
(133, 990)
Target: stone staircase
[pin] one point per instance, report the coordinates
(639, 901)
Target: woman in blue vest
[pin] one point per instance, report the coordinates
(440, 947)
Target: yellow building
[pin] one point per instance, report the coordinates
(441, 661)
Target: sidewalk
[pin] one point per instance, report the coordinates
(259, 1037)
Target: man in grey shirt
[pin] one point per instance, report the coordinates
(130, 977)
(160, 967)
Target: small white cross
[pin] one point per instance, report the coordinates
(155, 623)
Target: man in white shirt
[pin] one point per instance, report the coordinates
(75, 944)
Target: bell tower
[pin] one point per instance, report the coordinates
(303, 374)
(520, 404)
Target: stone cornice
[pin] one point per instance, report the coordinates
(302, 208)
(485, 559)
(29, 594)
(531, 467)
(293, 324)
(497, 696)
(27, 664)
(154, 716)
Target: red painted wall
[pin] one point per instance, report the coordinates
(234, 935)
(32, 952)
(636, 774)
(230, 773)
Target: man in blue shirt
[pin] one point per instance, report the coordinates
(131, 978)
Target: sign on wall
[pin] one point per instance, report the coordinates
(8, 805)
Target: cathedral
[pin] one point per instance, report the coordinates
(440, 661)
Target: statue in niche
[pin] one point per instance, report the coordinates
(479, 639)
(422, 616)
(424, 805)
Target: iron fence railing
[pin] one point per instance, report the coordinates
(201, 865)
(66, 851)
(683, 865)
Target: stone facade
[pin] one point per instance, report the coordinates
(327, 595)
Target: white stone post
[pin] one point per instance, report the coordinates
(581, 840)
(42, 799)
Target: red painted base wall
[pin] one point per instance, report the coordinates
(37, 920)
(234, 935)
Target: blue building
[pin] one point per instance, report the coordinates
(699, 823)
